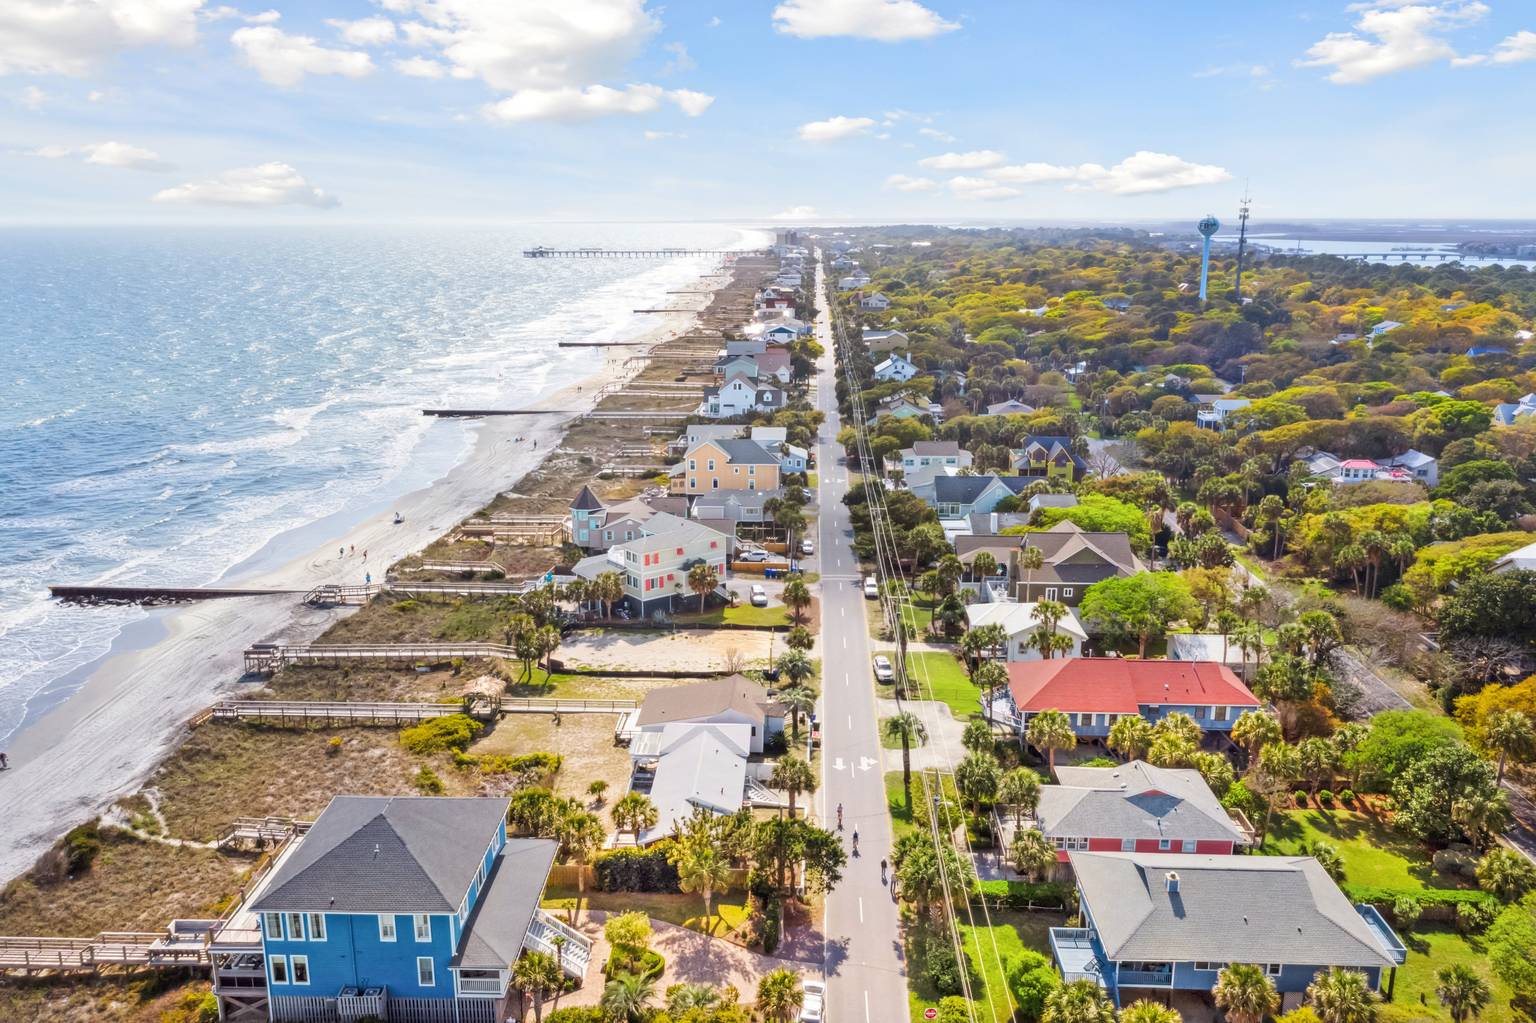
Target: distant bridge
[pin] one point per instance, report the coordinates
(1439, 257)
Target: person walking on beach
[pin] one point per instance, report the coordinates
(341, 553)
(5, 762)
(365, 554)
(367, 578)
(352, 548)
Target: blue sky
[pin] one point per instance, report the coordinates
(181, 111)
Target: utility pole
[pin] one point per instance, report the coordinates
(1242, 240)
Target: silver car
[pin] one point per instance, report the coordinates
(883, 670)
(814, 997)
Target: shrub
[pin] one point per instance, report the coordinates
(629, 930)
(1325, 798)
(640, 962)
(1406, 911)
(635, 870)
(1031, 978)
(954, 1009)
(428, 783)
(1300, 797)
(773, 924)
(1100, 762)
(1024, 894)
(81, 847)
(1346, 797)
(531, 767)
(436, 735)
(333, 746)
(577, 1014)
(941, 966)
(193, 1007)
(405, 606)
(1398, 597)
(1474, 917)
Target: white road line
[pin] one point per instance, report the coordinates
(866, 1006)
(861, 909)
(845, 642)
(846, 680)
(850, 722)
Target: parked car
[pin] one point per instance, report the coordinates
(759, 596)
(752, 556)
(871, 587)
(883, 670)
(807, 548)
(814, 997)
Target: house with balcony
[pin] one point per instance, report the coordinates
(1409, 467)
(1135, 807)
(1072, 561)
(733, 463)
(1021, 624)
(1095, 692)
(1213, 412)
(925, 453)
(732, 700)
(403, 907)
(874, 303)
(595, 526)
(655, 566)
(886, 341)
(1049, 458)
(958, 497)
(740, 395)
(1155, 924)
(895, 367)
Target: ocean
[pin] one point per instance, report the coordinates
(177, 398)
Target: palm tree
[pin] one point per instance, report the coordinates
(990, 676)
(1506, 874)
(1342, 996)
(792, 775)
(1030, 559)
(634, 812)
(1245, 993)
(1051, 643)
(627, 998)
(799, 701)
(703, 869)
(799, 638)
(1031, 853)
(1131, 737)
(794, 666)
(1510, 734)
(1020, 789)
(1482, 815)
(703, 579)
(1081, 1001)
(1249, 638)
(983, 567)
(976, 778)
(1050, 731)
(535, 973)
(908, 729)
(581, 834)
(1255, 729)
(683, 997)
(1463, 993)
(796, 597)
(1144, 1011)
(608, 589)
(779, 995)
(596, 790)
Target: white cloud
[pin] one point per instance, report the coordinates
(364, 31)
(981, 188)
(1035, 173)
(95, 96)
(34, 98)
(421, 67)
(71, 37)
(107, 154)
(834, 128)
(223, 12)
(284, 59)
(1234, 71)
(264, 18)
(714, 22)
(573, 104)
(976, 159)
(660, 136)
(270, 184)
(1138, 174)
(1391, 36)
(795, 213)
(936, 134)
(1511, 50)
(681, 59)
(888, 21)
(907, 183)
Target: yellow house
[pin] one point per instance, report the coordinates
(731, 464)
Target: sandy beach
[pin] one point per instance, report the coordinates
(103, 741)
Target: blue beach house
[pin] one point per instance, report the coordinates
(1159, 924)
(406, 908)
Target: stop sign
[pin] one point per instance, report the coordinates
(930, 1014)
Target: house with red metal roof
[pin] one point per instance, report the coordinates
(1095, 692)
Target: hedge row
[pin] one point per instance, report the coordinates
(1023, 894)
(1434, 903)
(635, 870)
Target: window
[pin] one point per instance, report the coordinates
(317, 927)
(424, 974)
(1164, 844)
(693, 484)
(1210, 967)
(1098, 719)
(423, 924)
(279, 969)
(692, 465)
(1220, 713)
(301, 969)
(295, 926)
(1189, 845)
(1066, 591)
(714, 483)
(387, 928)
(274, 925)
(1273, 969)
(710, 465)
(1127, 845)
(1080, 844)
(1050, 593)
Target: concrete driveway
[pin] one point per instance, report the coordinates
(943, 748)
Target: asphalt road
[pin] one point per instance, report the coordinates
(866, 975)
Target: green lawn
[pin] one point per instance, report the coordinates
(1431, 949)
(988, 949)
(896, 803)
(729, 908)
(1373, 853)
(542, 683)
(742, 614)
(885, 740)
(940, 676)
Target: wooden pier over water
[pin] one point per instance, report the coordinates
(545, 252)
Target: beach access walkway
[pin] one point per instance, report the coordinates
(378, 713)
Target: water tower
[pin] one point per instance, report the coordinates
(1208, 226)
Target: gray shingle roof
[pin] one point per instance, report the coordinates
(1134, 800)
(1250, 909)
(745, 452)
(494, 933)
(703, 700)
(383, 854)
(586, 501)
(960, 489)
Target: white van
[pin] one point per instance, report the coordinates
(871, 587)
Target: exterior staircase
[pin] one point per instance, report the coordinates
(574, 956)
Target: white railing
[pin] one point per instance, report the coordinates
(574, 955)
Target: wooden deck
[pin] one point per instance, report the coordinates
(379, 713)
(265, 657)
(110, 948)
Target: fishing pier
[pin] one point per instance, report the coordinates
(545, 252)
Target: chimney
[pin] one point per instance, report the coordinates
(1171, 879)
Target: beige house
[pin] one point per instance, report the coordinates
(726, 464)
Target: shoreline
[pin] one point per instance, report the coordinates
(105, 738)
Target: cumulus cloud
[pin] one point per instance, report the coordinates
(1138, 174)
(976, 159)
(264, 18)
(659, 136)
(681, 60)
(107, 154)
(981, 188)
(72, 37)
(795, 213)
(936, 134)
(270, 184)
(834, 128)
(907, 183)
(1391, 36)
(34, 98)
(284, 59)
(1511, 50)
(887, 21)
(573, 104)
(364, 31)
(421, 67)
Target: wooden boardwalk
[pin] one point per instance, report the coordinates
(331, 711)
(265, 657)
(110, 948)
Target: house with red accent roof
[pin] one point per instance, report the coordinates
(1095, 692)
